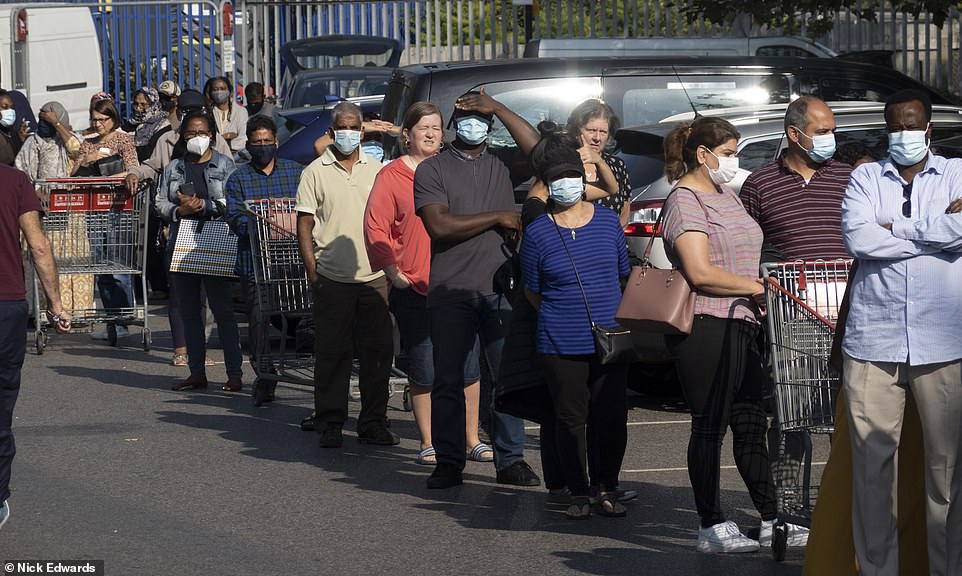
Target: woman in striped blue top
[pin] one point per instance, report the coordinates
(580, 386)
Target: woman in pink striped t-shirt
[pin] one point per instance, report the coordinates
(717, 245)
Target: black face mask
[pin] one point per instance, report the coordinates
(262, 154)
(45, 129)
(254, 108)
(166, 104)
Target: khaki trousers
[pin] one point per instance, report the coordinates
(876, 399)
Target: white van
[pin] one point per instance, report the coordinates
(51, 52)
(790, 46)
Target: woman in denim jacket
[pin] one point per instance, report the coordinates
(192, 187)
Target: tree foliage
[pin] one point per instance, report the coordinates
(816, 15)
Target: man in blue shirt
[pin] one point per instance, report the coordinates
(903, 333)
(265, 177)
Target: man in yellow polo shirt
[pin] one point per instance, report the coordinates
(348, 295)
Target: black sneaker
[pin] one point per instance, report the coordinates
(378, 434)
(445, 475)
(331, 437)
(518, 474)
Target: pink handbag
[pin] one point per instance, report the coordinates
(656, 300)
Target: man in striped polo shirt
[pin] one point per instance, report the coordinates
(797, 199)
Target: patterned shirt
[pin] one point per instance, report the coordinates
(616, 201)
(734, 241)
(249, 183)
(906, 296)
(802, 221)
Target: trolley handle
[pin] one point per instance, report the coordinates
(774, 285)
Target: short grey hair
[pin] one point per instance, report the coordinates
(346, 109)
(797, 112)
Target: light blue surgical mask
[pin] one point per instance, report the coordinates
(373, 150)
(908, 147)
(472, 131)
(566, 191)
(823, 146)
(8, 117)
(346, 141)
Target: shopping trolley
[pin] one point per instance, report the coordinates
(95, 226)
(803, 300)
(283, 295)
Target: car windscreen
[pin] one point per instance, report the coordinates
(321, 55)
(650, 99)
(319, 90)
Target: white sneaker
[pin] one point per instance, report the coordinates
(4, 513)
(102, 334)
(797, 535)
(725, 537)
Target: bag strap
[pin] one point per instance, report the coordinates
(573, 267)
(656, 230)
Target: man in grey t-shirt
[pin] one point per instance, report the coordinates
(464, 196)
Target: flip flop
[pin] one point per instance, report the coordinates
(426, 457)
(481, 452)
(609, 506)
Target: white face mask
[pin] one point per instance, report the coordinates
(198, 145)
(726, 171)
(8, 117)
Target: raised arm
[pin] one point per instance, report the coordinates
(523, 133)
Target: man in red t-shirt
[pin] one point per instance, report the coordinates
(19, 212)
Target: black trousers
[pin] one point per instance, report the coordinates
(582, 389)
(723, 380)
(13, 325)
(340, 309)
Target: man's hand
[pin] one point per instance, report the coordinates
(510, 221)
(955, 207)
(381, 127)
(132, 181)
(400, 281)
(60, 321)
(478, 103)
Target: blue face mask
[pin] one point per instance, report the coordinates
(346, 141)
(45, 129)
(373, 150)
(908, 147)
(823, 146)
(472, 131)
(566, 191)
(8, 117)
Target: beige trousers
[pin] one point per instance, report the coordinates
(876, 404)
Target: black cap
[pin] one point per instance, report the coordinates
(191, 99)
(556, 169)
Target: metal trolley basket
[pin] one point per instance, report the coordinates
(95, 226)
(283, 295)
(803, 300)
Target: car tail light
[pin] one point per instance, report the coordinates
(643, 217)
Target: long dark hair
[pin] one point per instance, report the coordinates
(682, 143)
(180, 148)
(208, 86)
(554, 148)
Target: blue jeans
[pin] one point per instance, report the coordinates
(188, 288)
(454, 329)
(13, 325)
(116, 292)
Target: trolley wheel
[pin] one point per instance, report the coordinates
(406, 399)
(112, 334)
(779, 541)
(40, 341)
(147, 340)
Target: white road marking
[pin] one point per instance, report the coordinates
(685, 469)
(633, 423)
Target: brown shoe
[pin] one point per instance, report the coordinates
(234, 384)
(190, 383)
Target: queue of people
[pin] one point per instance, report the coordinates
(445, 255)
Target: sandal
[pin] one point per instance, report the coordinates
(580, 509)
(426, 457)
(179, 359)
(481, 452)
(608, 505)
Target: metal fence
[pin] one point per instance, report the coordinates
(148, 41)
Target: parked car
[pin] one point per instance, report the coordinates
(640, 90)
(791, 46)
(762, 141)
(319, 73)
